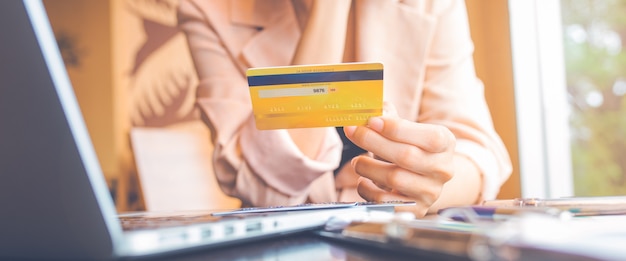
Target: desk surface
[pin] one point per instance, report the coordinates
(297, 247)
(307, 246)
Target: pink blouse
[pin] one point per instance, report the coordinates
(429, 76)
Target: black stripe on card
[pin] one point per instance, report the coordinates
(316, 77)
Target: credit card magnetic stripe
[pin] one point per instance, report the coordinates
(264, 80)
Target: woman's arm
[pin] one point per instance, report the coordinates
(452, 154)
(259, 167)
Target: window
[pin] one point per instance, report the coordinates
(594, 34)
(570, 86)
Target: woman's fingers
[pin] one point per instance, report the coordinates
(412, 160)
(389, 177)
(428, 137)
(371, 192)
(428, 151)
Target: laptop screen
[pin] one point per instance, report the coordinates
(51, 183)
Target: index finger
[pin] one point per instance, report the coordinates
(429, 137)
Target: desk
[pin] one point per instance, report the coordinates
(296, 247)
(306, 246)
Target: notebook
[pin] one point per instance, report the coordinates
(53, 197)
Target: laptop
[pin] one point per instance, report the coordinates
(53, 197)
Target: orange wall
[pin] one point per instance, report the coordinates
(86, 25)
(134, 70)
(489, 24)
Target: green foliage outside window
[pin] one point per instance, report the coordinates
(594, 34)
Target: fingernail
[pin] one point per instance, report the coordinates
(375, 123)
(349, 130)
(353, 161)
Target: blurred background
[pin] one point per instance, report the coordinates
(594, 36)
(554, 74)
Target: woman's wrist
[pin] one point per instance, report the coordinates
(464, 188)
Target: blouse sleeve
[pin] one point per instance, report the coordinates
(259, 167)
(454, 97)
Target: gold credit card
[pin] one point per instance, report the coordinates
(307, 96)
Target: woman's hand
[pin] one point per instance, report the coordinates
(413, 161)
